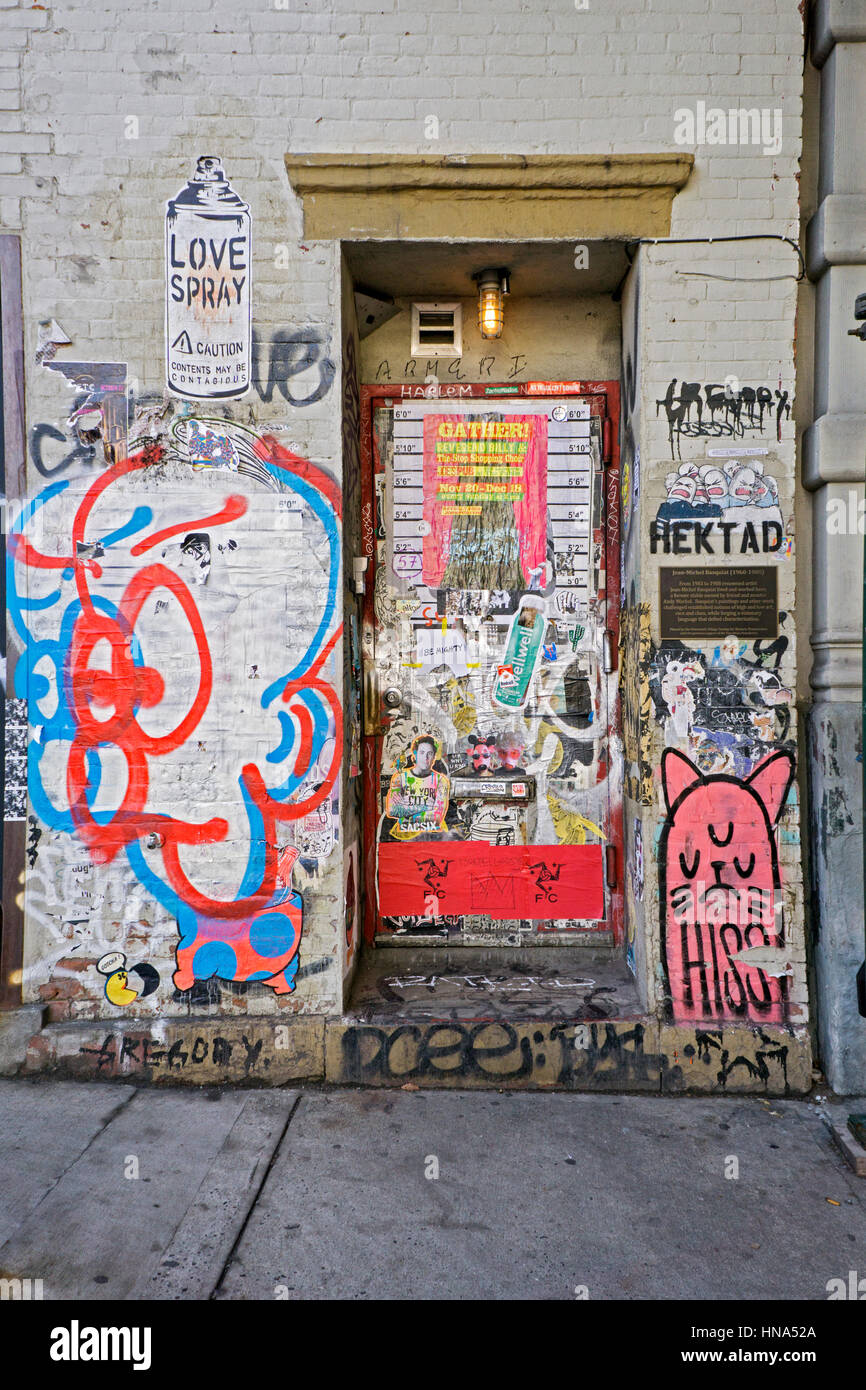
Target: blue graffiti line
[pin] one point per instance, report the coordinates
(325, 512)
(16, 602)
(317, 706)
(60, 727)
(287, 740)
(34, 603)
(322, 509)
(141, 517)
(35, 686)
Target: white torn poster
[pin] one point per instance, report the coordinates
(438, 648)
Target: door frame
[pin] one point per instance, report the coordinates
(380, 393)
(12, 447)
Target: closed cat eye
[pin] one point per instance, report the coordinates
(690, 873)
(745, 873)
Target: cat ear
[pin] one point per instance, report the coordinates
(771, 780)
(678, 774)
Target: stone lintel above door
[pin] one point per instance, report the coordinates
(486, 196)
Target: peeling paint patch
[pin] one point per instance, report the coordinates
(834, 812)
(772, 960)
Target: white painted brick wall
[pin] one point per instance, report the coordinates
(250, 82)
(699, 326)
(363, 76)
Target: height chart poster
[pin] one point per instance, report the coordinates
(484, 483)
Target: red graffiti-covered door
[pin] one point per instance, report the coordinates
(489, 640)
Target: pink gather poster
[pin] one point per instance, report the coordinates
(485, 480)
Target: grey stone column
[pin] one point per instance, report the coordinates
(834, 467)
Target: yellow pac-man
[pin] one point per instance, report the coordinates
(117, 991)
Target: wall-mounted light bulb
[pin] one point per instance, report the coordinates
(492, 284)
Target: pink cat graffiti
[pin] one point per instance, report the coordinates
(720, 889)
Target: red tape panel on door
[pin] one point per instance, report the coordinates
(537, 882)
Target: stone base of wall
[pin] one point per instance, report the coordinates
(835, 771)
(17, 1027)
(189, 1051)
(616, 1055)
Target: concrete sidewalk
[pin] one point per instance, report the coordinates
(113, 1192)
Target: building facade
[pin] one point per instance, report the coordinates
(361, 650)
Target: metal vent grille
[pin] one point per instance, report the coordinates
(437, 329)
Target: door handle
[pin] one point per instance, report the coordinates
(377, 702)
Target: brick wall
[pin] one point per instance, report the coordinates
(713, 315)
(105, 107)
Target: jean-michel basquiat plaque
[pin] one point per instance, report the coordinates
(490, 604)
(706, 602)
(208, 324)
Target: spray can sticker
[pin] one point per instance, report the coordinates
(208, 325)
(522, 655)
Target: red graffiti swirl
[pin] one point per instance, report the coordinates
(127, 688)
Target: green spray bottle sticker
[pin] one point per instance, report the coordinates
(522, 655)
